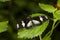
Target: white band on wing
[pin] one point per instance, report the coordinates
(23, 24)
(35, 22)
(40, 18)
(46, 17)
(17, 26)
(29, 24)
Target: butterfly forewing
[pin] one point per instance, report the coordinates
(23, 24)
(17, 26)
(35, 22)
(41, 18)
(29, 24)
(46, 17)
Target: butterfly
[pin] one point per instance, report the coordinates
(31, 22)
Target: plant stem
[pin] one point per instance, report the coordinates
(53, 27)
(13, 32)
(40, 37)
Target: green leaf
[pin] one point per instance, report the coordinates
(33, 32)
(58, 2)
(47, 7)
(3, 26)
(57, 15)
(36, 14)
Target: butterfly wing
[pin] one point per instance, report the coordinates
(20, 24)
(23, 24)
(35, 22)
(43, 18)
(17, 26)
(29, 24)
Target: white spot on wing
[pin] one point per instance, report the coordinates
(17, 26)
(41, 18)
(23, 24)
(29, 24)
(36, 22)
(46, 17)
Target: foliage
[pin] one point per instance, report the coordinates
(30, 33)
(12, 11)
(3, 26)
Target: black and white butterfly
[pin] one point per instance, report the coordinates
(30, 22)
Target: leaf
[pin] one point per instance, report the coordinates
(58, 3)
(33, 32)
(57, 15)
(36, 14)
(47, 7)
(3, 26)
